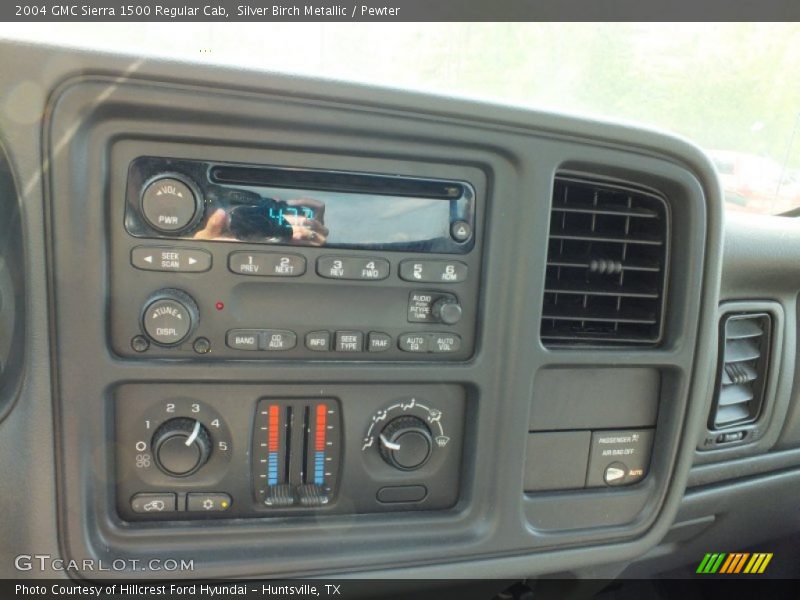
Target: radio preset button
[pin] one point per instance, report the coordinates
(319, 341)
(278, 339)
(169, 205)
(413, 342)
(243, 339)
(348, 267)
(378, 341)
(433, 271)
(349, 341)
(267, 264)
(166, 258)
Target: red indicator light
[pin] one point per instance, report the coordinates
(219, 306)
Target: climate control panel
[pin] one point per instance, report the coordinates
(187, 451)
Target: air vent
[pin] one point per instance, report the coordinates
(606, 265)
(744, 355)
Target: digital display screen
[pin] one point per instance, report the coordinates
(336, 219)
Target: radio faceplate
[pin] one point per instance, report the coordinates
(186, 293)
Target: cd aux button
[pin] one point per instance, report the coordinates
(433, 271)
(348, 267)
(267, 264)
(278, 339)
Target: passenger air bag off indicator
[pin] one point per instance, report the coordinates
(619, 457)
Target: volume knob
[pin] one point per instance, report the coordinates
(406, 443)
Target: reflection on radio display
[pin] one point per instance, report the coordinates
(326, 218)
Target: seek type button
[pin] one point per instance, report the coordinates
(349, 341)
(433, 271)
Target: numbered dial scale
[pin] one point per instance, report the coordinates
(177, 444)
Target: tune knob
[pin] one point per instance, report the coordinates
(447, 310)
(181, 446)
(406, 443)
(169, 317)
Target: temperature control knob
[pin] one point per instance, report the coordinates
(181, 446)
(406, 443)
(169, 317)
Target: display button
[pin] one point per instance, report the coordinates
(378, 342)
(164, 258)
(267, 264)
(347, 267)
(413, 342)
(319, 341)
(168, 204)
(243, 339)
(207, 502)
(154, 503)
(433, 271)
(349, 341)
(444, 343)
(278, 339)
(461, 231)
(167, 322)
(402, 493)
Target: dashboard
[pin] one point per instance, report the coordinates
(286, 327)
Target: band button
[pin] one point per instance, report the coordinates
(243, 339)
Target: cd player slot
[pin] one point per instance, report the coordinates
(333, 181)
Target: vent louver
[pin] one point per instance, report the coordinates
(744, 355)
(606, 265)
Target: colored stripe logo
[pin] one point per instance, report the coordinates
(734, 563)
